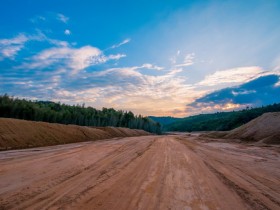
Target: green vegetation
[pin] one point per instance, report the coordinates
(51, 112)
(220, 121)
(164, 120)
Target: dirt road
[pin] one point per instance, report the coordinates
(153, 172)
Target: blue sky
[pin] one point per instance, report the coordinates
(175, 58)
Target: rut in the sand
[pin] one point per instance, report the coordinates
(151, 172)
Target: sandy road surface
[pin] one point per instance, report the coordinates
(154, 172)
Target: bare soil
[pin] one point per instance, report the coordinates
(18, 134)
(262, 130)
(148, 172)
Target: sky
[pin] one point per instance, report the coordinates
(161, 58)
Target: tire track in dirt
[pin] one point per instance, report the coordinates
(106, 172)
(68, 181)
(244, 194)
(165, 177)
(237, 169)
(152, 172)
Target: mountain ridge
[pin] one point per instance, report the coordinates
(219, 121)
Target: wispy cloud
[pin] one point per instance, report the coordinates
(181, 60)
(73, 59)
(231, 76)
(151, 66)
(188, 60)
(277, 84)
(123, 88)
(41, 37)
(121, 43)
(10, 47)
(127, 88)
(61, 72)
(38, 18)
(62, 18)
(213, 107)
(49, 17)
(115, 57)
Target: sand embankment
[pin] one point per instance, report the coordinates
(263, 129)
(17, 134)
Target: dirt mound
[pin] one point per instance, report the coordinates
(123, 132)
(265, 129)
(15, 134)
(215, 134)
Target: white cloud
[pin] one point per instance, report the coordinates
(74, 59)
(213, 107)
(121, 88)
(116, 57)
(77, 96)
(151, 66)
(9, 48)
(127, 88)
(245, 92)
(126, 72)
(41, 37)
(10, 51)
(121, 43)
(175, 71)
(230, 77)
(62, 54)
(62, 18)
(82, 58)
(179, 60)
(277, 84)
(188, 60)
(21, 38)
(67, 32)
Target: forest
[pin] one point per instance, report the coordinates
(47, 111)
(220, 121)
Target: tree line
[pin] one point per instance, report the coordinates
(220, 121)
(47, 111)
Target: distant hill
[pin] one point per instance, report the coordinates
(164, 120)
(220, 121)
